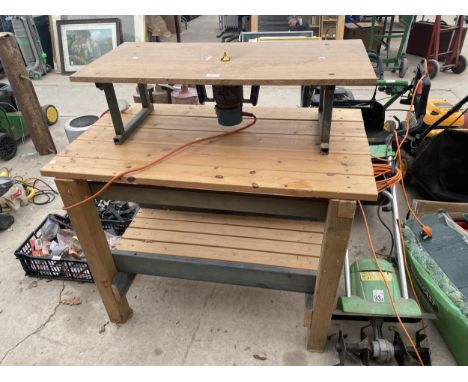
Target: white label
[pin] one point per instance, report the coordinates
(212, 75)
(378, 295)
(37, 244)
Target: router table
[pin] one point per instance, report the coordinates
(263, 207)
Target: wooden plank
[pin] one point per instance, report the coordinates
(225, 254)
(342, 62)
(173, 124)
(233, 220)
(422, 207)
(228, 230)
(219, 179)
(342, 145)
(254, 23)
(335, 242)
(340, 22)
(204, 236)
(220, 241)
(25, 95)
(86, 223)
(244, 159)
(261, 112)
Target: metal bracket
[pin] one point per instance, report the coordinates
(325, 116)
(121, 283)
(260, 276)
(123, 132)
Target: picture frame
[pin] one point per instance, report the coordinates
(82, 41)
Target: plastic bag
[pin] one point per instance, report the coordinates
(49, 230)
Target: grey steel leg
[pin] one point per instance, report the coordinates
(325, 116)
(123, 132)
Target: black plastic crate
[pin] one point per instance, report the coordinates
(63, 269)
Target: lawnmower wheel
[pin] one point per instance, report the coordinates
(50, 113)
(403, 67)
(460, 68)
(433, 68)
(8, 147)
(405, 165)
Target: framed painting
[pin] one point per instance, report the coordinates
(83, 41)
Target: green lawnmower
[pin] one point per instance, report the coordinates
(13, 127)
(368, 300)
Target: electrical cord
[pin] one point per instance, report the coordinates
(387, 175)
(379, 207)
(160, 159)
(41, 196)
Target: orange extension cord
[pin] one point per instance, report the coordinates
(395, 176)
(160, 159)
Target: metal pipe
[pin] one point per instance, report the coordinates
(396, 231)
(347, 276)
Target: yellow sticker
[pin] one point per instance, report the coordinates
(375, 276)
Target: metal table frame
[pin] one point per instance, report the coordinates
(124, 131)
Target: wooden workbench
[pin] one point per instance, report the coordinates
(260, 208)
(321, 63)
(328, 62)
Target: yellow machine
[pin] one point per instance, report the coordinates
(436, 108)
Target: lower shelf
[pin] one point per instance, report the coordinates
(237, 249)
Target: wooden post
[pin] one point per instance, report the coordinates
(340, 22)
(25, 95)
(85, 221)
(338, 224)
(254, 23)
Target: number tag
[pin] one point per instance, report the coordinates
(378, 295)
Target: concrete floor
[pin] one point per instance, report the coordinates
(175, 322)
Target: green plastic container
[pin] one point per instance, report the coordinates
(369, 293)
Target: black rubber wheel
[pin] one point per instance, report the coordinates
(6, 221)
(405, 166)
(403, 67)
(8, 147)
(433, 68)
(460, 68)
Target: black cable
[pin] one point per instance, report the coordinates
(49, 193)
(397, 110)
(388, 229)
(461, 115)
(50, 197)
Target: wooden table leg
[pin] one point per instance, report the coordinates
(338, 224)
(85, 221)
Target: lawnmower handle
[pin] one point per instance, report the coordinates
(392, 83)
